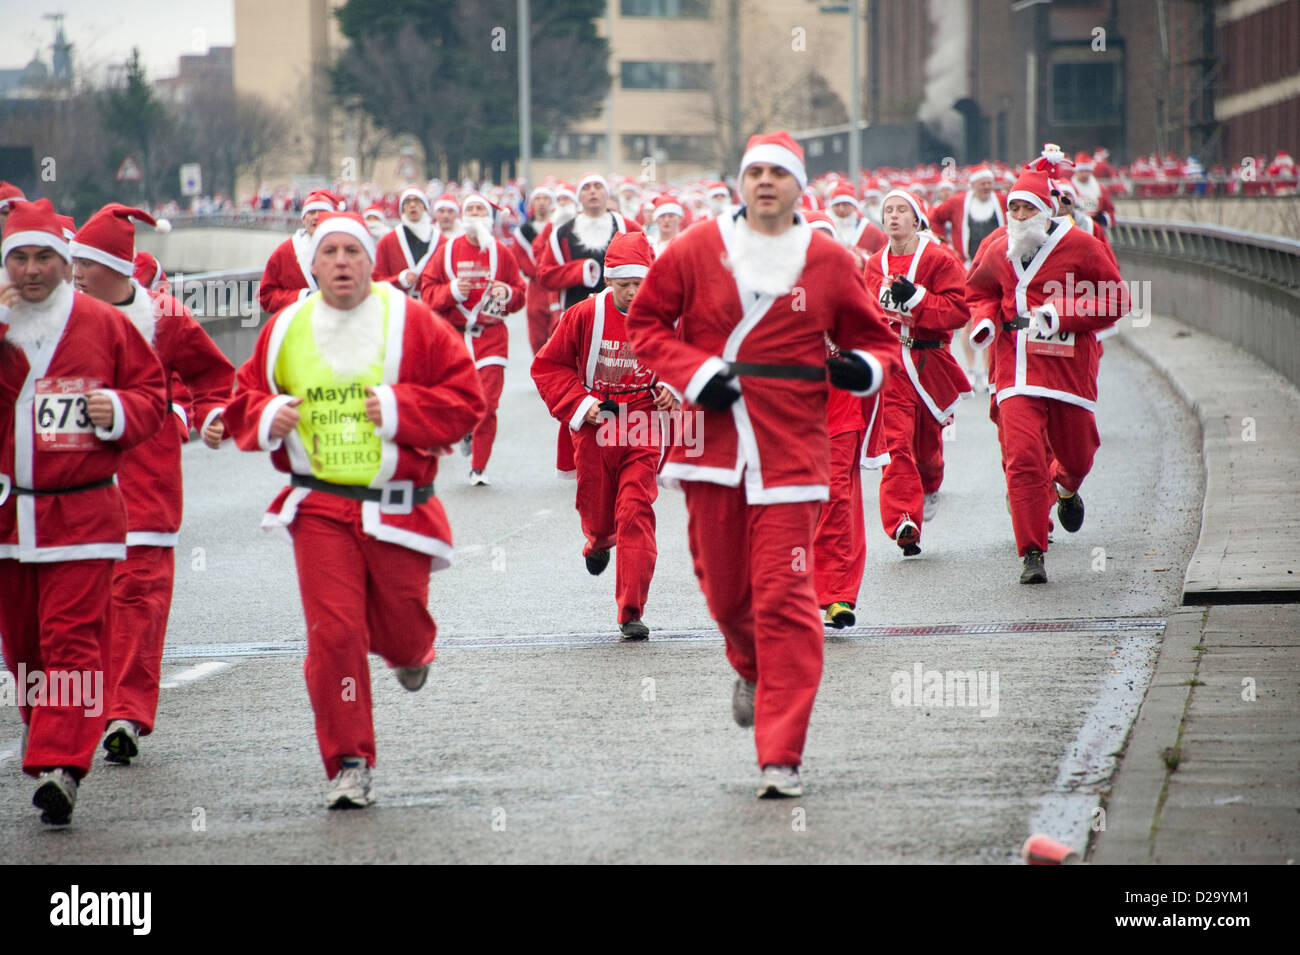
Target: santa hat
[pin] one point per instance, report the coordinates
(34, 223)
(147, 270)
(1065, 186)
(1082, 162)
(541, 191)
(590, 178)
(346, 223)
(872, 188)
(844, 193)
(446, 201)
(776, 149)
(629, 256)
(322, 200)
(376, 211)
(9, 193)
(983, 172)
(719, 189)
(564, 189)
(821, 220)
(666, 205)
(412, 192)
(1034, 187)
(922, 221)
(478, 197)
(628, 183)
(108, 237)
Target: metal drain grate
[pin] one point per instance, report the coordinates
(289, 648)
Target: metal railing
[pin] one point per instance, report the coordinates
(239, 219)
(215, 295)
(1260, 258)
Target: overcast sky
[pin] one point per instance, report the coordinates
(103, 31)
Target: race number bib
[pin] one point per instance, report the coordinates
(62, 422)
(1060, 345)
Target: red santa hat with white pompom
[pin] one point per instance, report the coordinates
(108, 237)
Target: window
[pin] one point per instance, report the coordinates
(683, 9)
(574, 146)
(1086, 93)
(639, 146)
(640, 75)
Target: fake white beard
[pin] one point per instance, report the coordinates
(717, 206)
(455, 230)
(140, 312)
(846, 227)
(563, 213)
(981, 210)
(1027, 236)
(478, 229)
(628, 207)
(872, 211)
(32, 325)
(377, 229)
(348, 341)
(769, 264)
(422, 227)
(594, 233)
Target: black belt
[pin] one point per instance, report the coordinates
(51, 492)
(909, 342)
(1015, 324)
(796, 372)
(395, 497)
(627, 391)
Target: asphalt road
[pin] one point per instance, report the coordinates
(540, 738)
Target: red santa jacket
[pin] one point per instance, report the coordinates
(1070, 274)
(287, 277)
(393, 256)
(150, 475)
(937, 308)
(542, 304)
(481, 324)
(688, 323)
(561, 266)
(954, 212)
(1094, 199)
(430, 398)
(46, 439)
(870, 237)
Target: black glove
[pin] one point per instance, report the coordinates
(610, 405)
(717, 393)
(901, 290)
(850, 373)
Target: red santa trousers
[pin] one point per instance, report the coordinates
(915, 442)
(752, 565)
(1033, 431)
(142, 602)
(57, 619)
(840, 543)
(615, 499)
(539, 328)
(359, 595)
(492, 378)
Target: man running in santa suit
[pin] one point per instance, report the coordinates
(446, 214)
(965, 220)
(591, 381)
(853, 230)
(667, 219)
(747, 345)
(355, 392)
(401, 255)
(79, 386)
(541, 305)
(473, 282)
(1094, 198)
(920, 285)
(287, 277)
(1046, 365)
(199, 380)
(840, 541)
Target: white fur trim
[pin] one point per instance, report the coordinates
(34, 237)
(668, 208)
(982, 335)
(118, 428)
(711, 366)
(590, 273)
(627, 271)
(264, 423)
(915, 300)
(212, 416)
(877, 374)
(180, 413)
(1029, 197)
(775, 155)
(388, 411)
(151, 539)
(345, 226)
(79, 250)
(580, 417)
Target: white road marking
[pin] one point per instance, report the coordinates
(199, 671)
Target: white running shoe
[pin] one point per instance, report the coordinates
(55, 796)
(931, 505)
(350, 789)
(742, 702)
(780, 782)
(477, 479)
(122, 742)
